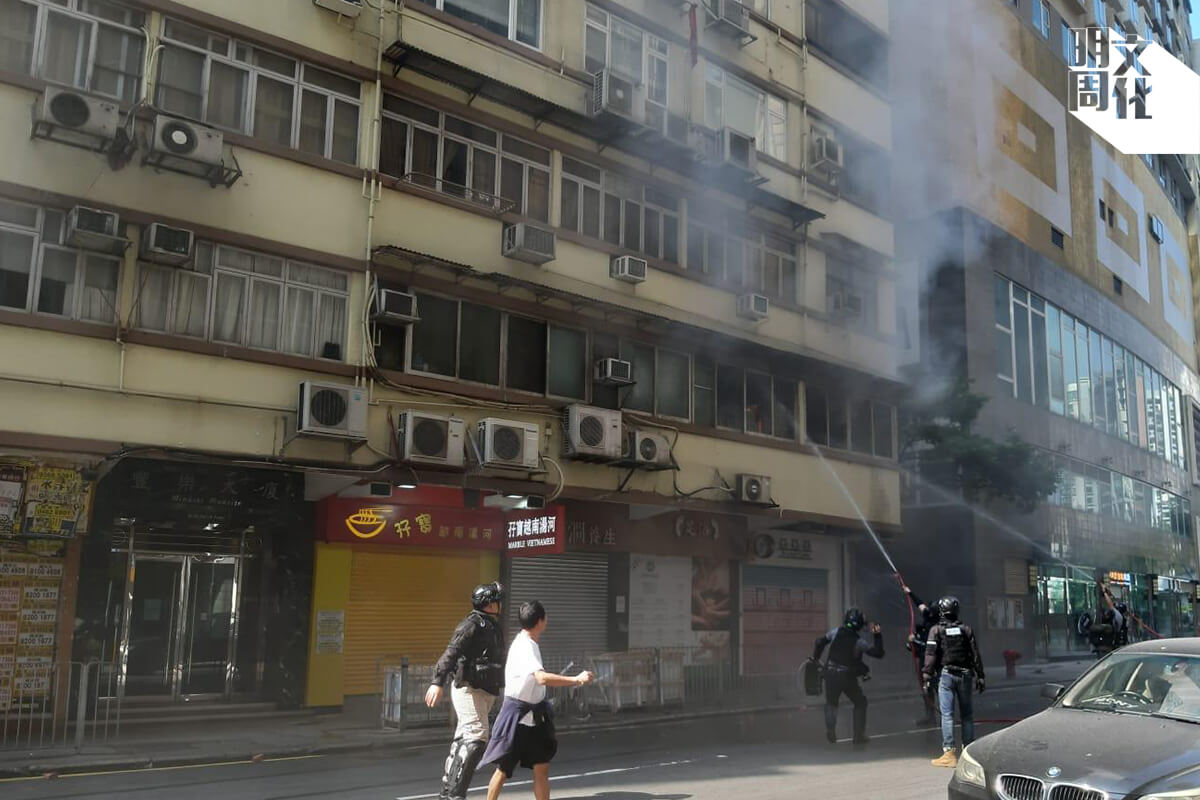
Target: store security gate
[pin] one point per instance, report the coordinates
(574, 589)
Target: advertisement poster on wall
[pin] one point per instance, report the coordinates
(711, 610)
(659, 601)
(12, 488)
(680, 601)
(30, 585)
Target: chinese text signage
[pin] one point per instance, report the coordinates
(536, 532)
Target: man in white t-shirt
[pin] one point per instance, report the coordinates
(523, 734)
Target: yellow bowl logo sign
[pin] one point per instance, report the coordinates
(367, 523)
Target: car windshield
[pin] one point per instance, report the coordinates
(1152, 684)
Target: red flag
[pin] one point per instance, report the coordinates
(694, 39)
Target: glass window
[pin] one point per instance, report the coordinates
(881, 415)
(435, 336)
(640, 396)
(1038, 346)
(568, 363)
(526, 362)
(479, 353)
(838, 428)
(519, 20)
(816, 415)
(862, 436)
(731, 408)
(16, 267)
(212, 78)
(1070, 374)
(704, 407)
(1099, 407)
(18, 32)
(1083, 365)
(758, 404)
(785, 408)
(734, 103)
(1024, 370)
(1054, 359)
(672, 382)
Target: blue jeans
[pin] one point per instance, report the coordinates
(950, 688)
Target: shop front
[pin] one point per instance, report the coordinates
(194, 583)
(394, 577)
(671, 576)
(787, 583)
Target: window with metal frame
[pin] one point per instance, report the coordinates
(229, 84)
(730, 102)
(1047, 357)
(743, 260)
(525, 177)
(611, 42)
(580, 202)
(93, 45)
(478, 344)
(39, 273)
(851, 295)
(519, 20)
(239, 297)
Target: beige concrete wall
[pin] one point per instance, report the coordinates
(61, 385)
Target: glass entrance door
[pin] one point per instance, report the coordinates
(209, 636)
(154, 617)
(182, 629)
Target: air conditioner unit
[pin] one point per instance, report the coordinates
(189, 148)
(392, 306)
(825, 152)
(613, 93)
(431, 439)
(845, 303)
(754, 489)
(528, 243)
(630, 269)
(729, 16)
(739, 150)
(92, 229)
(343, 8)
(613, 372)
(753, 306)
(706, 144)
(645, 449)
(332, 409)
(1158, 230)
(591, 434)
(163, 244)
(508, 444)
(70, 117)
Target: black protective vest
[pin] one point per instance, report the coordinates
(482, 664)
(955, 643)
(841, 649)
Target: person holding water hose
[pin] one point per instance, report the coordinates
(924, 618)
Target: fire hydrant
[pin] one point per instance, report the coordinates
(1011, 657)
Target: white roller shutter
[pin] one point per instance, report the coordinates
(574, 589)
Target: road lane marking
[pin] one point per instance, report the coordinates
(569, 777)
(104, 773)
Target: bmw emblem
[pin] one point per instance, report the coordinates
(1053, 772)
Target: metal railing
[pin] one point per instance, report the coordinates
(476, 197)
(67, 704)
(663, 680)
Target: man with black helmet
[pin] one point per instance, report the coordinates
(953, 650)
(474, 660)
(843, 669)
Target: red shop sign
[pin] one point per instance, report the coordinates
(536, 532)
(359, 520)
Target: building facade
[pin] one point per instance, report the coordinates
(288, 284)
(1058, 276)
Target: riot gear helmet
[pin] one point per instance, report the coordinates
(487, 593)
(855, 619)
(948, 608)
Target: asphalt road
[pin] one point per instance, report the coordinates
(767, 756)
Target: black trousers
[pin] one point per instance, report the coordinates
(844, 683)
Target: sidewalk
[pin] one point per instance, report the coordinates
(290, 736)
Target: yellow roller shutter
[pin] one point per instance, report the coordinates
(404, 604)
